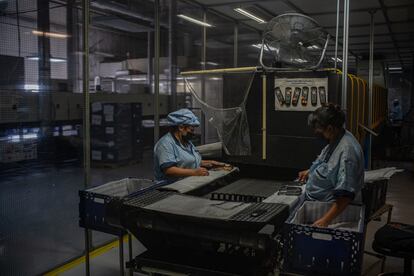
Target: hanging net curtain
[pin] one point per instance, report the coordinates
(229, 121)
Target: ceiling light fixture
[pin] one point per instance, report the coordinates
(54, 35)
(51, 59)
(394, 68)
(210, 63)
(267, 48)
(195, 21)
(250, 15)
(337, 59)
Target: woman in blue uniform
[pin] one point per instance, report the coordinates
(337, 175)
(175, 156)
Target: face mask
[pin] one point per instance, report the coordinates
(188, 136)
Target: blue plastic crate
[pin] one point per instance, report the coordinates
(94, 201)
(324, 251)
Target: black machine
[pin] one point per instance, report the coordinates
(220, 225)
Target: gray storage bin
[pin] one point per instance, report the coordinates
(94, 201)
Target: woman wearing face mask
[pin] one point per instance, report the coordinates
(175, 156)
(337, 174)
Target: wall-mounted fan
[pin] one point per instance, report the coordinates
(295, 40)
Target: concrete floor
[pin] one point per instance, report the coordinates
(39, 218)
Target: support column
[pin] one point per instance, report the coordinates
(157, 71)
(337, 33)
(72, 46)
(203, 81)
(86, 117)
(236, 45)
(43, 44)
(172, 52)
(150, 57)
(345, 56)
(371, 85)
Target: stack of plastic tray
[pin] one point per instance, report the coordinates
(324, 251)
(93, 205)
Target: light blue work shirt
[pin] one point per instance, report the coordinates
(341, 175)
(170, 152)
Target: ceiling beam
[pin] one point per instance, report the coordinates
(382, 34)
(363, 10)
(387, 23)
(383, 42)
(265, 11)
(237, 3)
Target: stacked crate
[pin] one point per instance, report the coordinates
(15, 151)
(116, 132)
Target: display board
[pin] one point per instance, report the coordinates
(300, 94)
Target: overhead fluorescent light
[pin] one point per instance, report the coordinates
(54, 35)
(300, 60)
(51, 59)
(266, 48)
(130, 78)
(394, 68)
(57, 60)
(250, 15)
(29, 136)
(195, 21)
(210, 63)
(313, 47)
(31, 87)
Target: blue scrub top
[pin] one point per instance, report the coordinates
(341, 175)
(170, 152)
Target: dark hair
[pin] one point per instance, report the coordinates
(327, 115)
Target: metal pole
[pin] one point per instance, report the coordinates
(86, 118)
(203, 81)
(236, 45)
(172, 16)
(412, 84)
(345, 55)
(121, 255)
(131, 269)
(150, 55)
(264, 117)
(371, 85)
(157, 71)
(337, 33)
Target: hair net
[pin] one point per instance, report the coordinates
(183, 117)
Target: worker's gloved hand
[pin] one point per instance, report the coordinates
(303, 176)
(217, 164)
(321, 223)
(200, 172)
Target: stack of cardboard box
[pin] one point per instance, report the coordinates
(116, 132)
